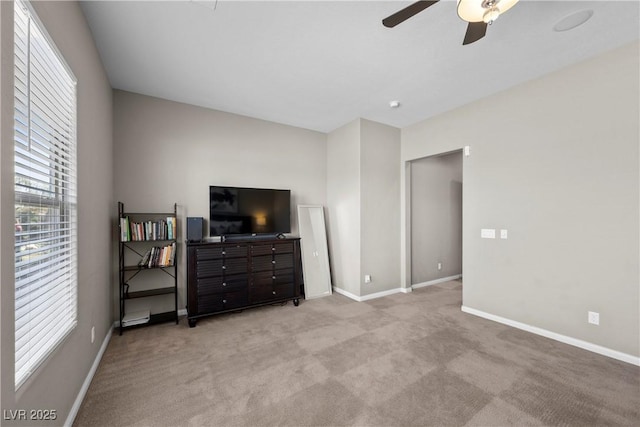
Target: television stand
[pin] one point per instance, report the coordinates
(225, 277)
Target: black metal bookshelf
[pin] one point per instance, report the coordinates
(135, 246)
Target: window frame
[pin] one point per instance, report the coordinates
(57, 166)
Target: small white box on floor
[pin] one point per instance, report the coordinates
(136, 318)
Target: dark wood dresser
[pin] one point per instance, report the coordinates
(230, 276)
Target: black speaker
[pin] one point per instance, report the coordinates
(194, 229)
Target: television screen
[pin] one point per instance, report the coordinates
(238, 210)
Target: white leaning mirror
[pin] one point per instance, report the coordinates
(315, 254)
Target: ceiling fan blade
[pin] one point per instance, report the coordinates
(406, 13)
(475, 31)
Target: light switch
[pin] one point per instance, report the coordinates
(488, 233)
(503, 234)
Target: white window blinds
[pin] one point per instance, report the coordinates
(45, 195)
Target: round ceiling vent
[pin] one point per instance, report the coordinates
(573, 20)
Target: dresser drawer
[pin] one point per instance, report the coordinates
(264, 278)
(262, 263)
(273, 248)
(226, 251)
(264, 249)
(206, 253)
(268, 278)
(283, 276)
(235, 265)
(261, 293)
(219, 284)
(218, 267)
(269, 263)
(266, 292)
(235, 251)
(282, 261)
(224, 301)
(208, 268)
(283, 248)
(284, 290)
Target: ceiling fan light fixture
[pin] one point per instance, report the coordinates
(491, 15)
(483, 10)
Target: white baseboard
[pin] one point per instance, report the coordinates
(346, 293)
(614, 354)
(87, 381)
(436, 281)
(369, 296)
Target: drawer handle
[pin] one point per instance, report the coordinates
(224, 284)
(224, 252)
(224, 267)
(274, 292)
(273, 277)
(273, 249)
(273, 262)
(224, 301)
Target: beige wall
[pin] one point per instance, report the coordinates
(343, 206)
(56, 384)
(380, 207)
(167, 152)
(556, 162)
(363, 183)
(436, 217)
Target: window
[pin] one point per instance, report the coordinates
(45, 195)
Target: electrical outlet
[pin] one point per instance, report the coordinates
(93, 334)
(593, 318)
(439, 266)
(367, 278)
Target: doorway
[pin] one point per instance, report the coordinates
(436, 219)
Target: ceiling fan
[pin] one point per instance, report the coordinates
(478, 13)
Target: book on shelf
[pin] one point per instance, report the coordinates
(156, 255)
(125, 234)
(145, 258)
(171, 228)
(165, 256)
(147, 230)
(172, 253)
(158, 229)
(152, 258)
(159, 256)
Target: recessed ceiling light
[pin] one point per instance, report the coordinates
(573, 20)
(394, 104)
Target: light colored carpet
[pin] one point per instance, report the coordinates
(403, 360)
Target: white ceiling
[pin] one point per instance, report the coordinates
(321, 64)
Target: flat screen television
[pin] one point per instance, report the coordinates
(248, 211)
